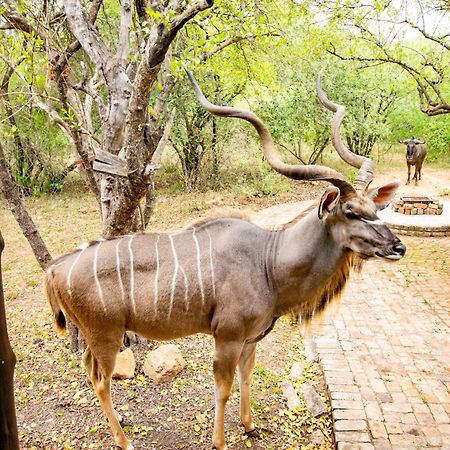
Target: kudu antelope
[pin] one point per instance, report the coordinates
(225, 277)
(415, 155)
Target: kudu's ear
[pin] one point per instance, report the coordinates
(328, 202)
(383, 195)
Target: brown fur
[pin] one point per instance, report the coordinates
(331, 292)
(59, 319)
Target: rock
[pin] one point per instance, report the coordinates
(311, 351)
(125, 365)
(317, 438)
(297, 371)
(313, 400)
(288, 389)
(163, 363)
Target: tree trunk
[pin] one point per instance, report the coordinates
(24, 220)
(9, 439)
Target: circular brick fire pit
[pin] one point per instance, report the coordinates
(418, 216)
(417, 206)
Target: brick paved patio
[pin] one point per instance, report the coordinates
(386, 353)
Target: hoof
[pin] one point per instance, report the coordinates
(253, 434)
(128, 446)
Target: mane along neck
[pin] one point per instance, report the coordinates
(331, 291)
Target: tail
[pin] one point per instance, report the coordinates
(53, 299)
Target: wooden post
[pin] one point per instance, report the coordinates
(9, 439)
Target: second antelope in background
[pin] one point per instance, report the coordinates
(415, 155)
(225, 276)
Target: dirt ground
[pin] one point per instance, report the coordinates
(56, 406)
(434, 183)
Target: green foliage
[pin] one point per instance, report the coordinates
(408, 121)
(295, 115)
(197, 136)
(38, 165)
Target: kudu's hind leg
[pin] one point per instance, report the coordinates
(246, 365)
(100, 366)
(225, 361)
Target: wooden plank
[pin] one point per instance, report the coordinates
(109, 158)
(110, 169)
(108, 163)
(416, 199)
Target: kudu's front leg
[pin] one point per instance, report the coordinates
(246, 365)
(99, 366)
(225, 361)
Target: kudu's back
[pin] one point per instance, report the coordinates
(162, 286)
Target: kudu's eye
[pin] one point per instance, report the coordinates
(351, 215)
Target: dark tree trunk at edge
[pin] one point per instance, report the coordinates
(9, 439)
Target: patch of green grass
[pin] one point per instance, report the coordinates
(196, 206)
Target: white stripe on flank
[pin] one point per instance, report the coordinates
(84, 246)
(130, 251)
(186, 289)
(155, 298)
(119, 275)
(69, 275)
(97, 282)
(199, 269)
(175, 273)
(211, 264)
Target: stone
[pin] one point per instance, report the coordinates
(355, 437)
(350, 425)
(292, 398)
(354, 446)
(311, 351)
(313, 401)
(125, 365)
(297, 371)
(164, 363)
(317, 438)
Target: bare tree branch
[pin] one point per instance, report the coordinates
(124, 32)
(234, 40)
(86, 34)
(438, 41)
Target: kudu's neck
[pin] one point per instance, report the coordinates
(307, 263)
